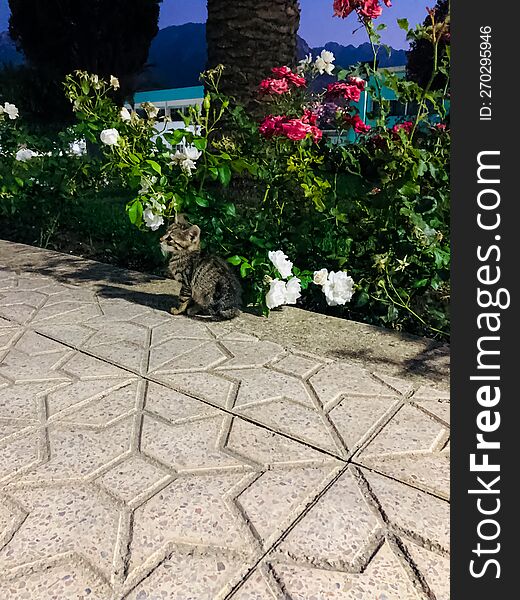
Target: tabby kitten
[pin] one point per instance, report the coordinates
(207, 282)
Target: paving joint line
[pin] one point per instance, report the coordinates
(147, 377)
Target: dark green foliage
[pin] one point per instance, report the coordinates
(420, 56)
(105, 37)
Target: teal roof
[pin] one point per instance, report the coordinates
(186, 93)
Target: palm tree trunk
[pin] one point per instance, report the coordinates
(249, 37)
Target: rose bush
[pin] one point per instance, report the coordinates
(365, 223)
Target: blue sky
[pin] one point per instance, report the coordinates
(317, 24)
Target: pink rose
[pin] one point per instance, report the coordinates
(269, 87)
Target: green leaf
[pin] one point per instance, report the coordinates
(420, 283)
(362, 298)
(175, 137)
(200, 143)
(230, 210)
(257, 241)
(135, 212)
(234, 260)
(245, 267)
(224, 175)
(403, 24)
(155, 166)
(201, 201)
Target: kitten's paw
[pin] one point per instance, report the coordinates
(177, 310)
(193, 310)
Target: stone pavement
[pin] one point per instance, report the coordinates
(145, 457)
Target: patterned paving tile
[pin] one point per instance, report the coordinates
(147, 456)
(60, 582)
(410, 447)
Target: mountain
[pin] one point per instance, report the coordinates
(8, 52)
(178, 55)
(350, 55)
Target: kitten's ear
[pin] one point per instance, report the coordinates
(194, 233)
(180, 219)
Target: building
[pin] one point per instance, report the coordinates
(172, 103)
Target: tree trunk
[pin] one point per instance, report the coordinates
(249, 37)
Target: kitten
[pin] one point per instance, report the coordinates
(208, 283)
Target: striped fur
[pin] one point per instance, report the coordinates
(207, 282)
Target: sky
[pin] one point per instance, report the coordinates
(318, 26)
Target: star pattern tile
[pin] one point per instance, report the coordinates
(144, 455)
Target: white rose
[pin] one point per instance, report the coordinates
(192, 153)
(147, 183)
(293, 290)
(25, 154)
(320, 277)
(78, 148)
(11, 111)
(338, 288)
(303, 64)
(125, 114)
(282, 263)
(323, 63)
(114, 82)
(276, 294)
(152, 221)
(151, 110)
(186, 158)
(96, 83)
(110, 137)
(188, 166)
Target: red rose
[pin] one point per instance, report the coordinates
(358, 82)
(371, 9)
(357, 123)
(309, 117)
(286, 73)
(368, 9)
(281, 72)
(273, 86)
(407, 127)
(295, 130)
(316, 133)
(343, 8)
(344, 90)
(270, 126)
